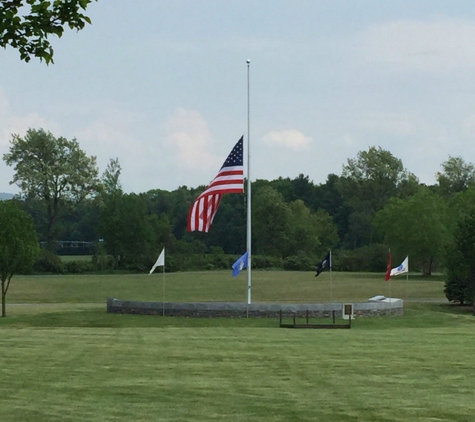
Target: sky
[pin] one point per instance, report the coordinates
(162, 85)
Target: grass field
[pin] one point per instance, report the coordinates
(69, 258)
(65, 359)
(267, 286)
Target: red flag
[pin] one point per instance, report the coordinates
(230, 179)
(388, 269)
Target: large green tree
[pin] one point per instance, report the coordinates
(55, 170)
(110, 179)
(289, 229)
(310, 233)
(131, 235)
(26, 25)
(18, 244)
(229, 225)
(415, 226)
(373, 176)
(271, 221)
(366, 184)
(460, 283)
(456, 176)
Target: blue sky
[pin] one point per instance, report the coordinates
(162, 86)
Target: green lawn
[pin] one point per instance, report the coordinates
(267, 286)
(74, 362)
(69, 258)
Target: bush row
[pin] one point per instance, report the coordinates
(369, 258)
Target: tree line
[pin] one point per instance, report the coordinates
(373, 205)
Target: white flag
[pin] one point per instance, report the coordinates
(403, 268)
(160, 261)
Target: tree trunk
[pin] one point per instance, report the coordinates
(52, 213)
(4, 311)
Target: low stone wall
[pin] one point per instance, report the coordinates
(254, 310)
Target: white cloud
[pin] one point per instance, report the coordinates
(15, 124)
(292, 139)
(441, 44)
(190, 136)
(110, 134)
(116, 133)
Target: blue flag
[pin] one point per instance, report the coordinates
(240, 264)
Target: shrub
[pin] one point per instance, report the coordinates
(301, 262)
(457, 290)
(265, 262)
(77, 267)
(48, 262)
(103, 262)
(368, 258)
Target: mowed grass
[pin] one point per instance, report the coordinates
(267, 286)
(74, 362)
(69, 258)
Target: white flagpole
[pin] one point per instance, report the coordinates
(390, 295)
(407, 276)
(163, 288)
(248, 191)
(331, 278)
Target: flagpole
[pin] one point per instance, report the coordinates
(248, 192)
(389, 269)
(163, 282)
(407, 276)
(390, 296)
(331, 278)
(390, 299)
(163, 289)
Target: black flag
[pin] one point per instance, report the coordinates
(325, 265)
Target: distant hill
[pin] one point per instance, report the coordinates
(4, 196)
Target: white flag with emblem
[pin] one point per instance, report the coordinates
(403, 268)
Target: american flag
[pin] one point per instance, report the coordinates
(230, 179)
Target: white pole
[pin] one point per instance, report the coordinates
(407, 277)
(163, 288)
(331, 278)
(390, 295)
(248, 191)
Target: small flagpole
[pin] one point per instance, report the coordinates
(407, 277)
(390, 299)
(248, 192)
(390, 295)
(331, 278)
(163, 286)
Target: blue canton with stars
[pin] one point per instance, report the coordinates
(235, 157)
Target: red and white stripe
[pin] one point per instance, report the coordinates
(203, 210)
